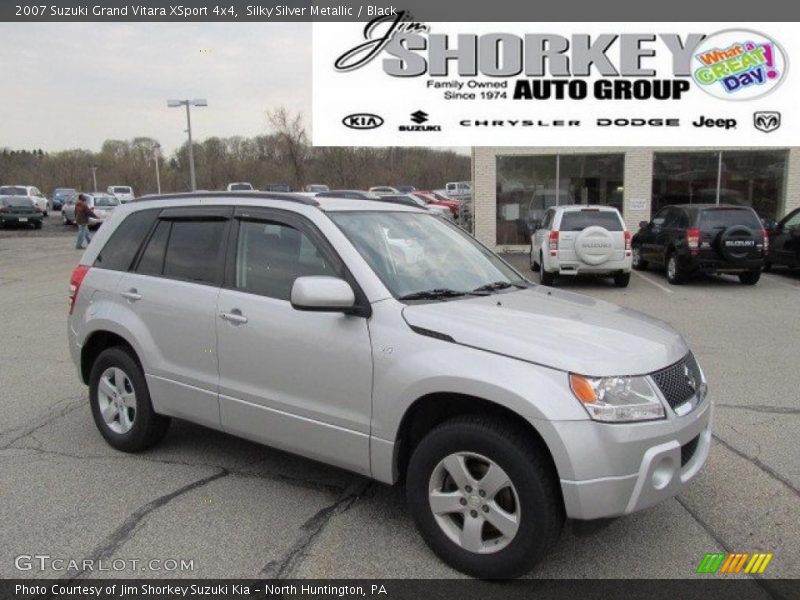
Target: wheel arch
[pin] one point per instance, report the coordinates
(432, 409)
(95, 344)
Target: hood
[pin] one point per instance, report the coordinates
(557, 329)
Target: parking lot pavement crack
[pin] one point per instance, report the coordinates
(15, 434)
(761, 408)
(311, 530)
(126, 530)
(755, 461)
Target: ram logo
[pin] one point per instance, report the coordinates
(766, 120)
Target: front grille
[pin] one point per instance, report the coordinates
(688, 450)
(680, 381)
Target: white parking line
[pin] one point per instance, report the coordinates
(658, 285)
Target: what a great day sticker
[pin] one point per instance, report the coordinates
(739, 65)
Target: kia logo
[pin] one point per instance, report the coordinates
(362, 121)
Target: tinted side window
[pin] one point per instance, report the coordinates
(270, 256)
(672, 217)
(121, 248)
(195, 250)
(152, 261)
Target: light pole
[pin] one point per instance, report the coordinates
(94, 178)
(156, 150)
(188, 104)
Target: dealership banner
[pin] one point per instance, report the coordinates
(399, 81)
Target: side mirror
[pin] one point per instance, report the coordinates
(322, 294)
(643, 224)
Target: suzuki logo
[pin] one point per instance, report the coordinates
(766, 120)
(419, 117)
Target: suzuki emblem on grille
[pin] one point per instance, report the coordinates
(690, 380)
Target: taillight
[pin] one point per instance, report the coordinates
(765, 234)
(75, 284)
(553, 243)
(693, 240)
(628, 237)
(4, 209)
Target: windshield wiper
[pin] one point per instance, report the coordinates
(498, 285)
(440, 293)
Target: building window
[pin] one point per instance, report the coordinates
(528, 185)
(745, 178)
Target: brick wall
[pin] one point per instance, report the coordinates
(638, 178)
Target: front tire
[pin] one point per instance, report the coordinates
(483, 497)
(121, 404)
(750, 277)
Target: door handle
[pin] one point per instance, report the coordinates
(235, 317)
(132, 294)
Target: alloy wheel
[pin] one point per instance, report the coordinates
(474, 502)
(117, 400)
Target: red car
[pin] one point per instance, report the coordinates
(433, 198)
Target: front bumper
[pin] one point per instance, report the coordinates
(616, 469)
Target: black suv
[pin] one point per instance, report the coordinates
(784, 241)
(703, 238)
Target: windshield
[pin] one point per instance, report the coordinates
(12, 201)
(105, 201)
(13, 190)
(415, 252)
(63, 192)
(120, 189)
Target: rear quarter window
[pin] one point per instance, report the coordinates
(722, 218)
(578, 220)
(195, 250)
(124, 243)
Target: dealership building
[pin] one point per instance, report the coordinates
(513, 186)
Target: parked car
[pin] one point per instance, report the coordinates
(241, 186)
(703, 238)
(384, 189)
(30, 191)
(432, 198)
(351, 194)
(582, 240)
(468, 383)
(405, 189)
(411, 200)
(123, 193)
(59, 196)
(103, 206)
(784, 242)
(316, 188)
(458, 189)
(20, 210)
(277, 187)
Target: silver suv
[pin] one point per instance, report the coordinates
(381, 339)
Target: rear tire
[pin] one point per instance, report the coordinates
(750, 277)
(545, 278)
(121, 404)
(637, 261)
(674, 274)
(37, 225)
(767, 267)
(527, 503)
(622, 279)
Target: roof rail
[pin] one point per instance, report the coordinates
(287, 196)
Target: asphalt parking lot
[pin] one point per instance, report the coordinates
(237, 509)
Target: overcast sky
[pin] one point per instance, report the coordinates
(78, 84)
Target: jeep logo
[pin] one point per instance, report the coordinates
(362, 121)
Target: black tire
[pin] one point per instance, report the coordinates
(641, 264)
(622, 279)
(540, 505)
(534, 264)
(545, 278)
(37, 224)
(750, 277)
(675, 277)
(148, 427)
(767, 266)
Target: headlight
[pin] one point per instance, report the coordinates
(617, 399)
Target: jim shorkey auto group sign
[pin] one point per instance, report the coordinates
(398, 81)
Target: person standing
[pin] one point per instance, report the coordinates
(82, 213)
